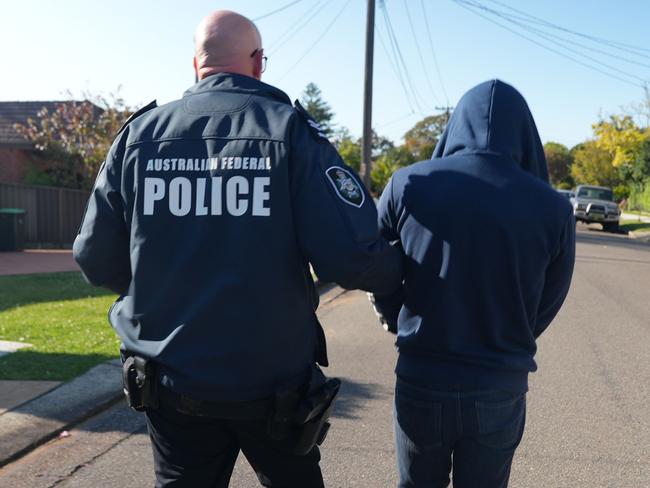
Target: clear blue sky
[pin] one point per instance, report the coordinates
(146, 47)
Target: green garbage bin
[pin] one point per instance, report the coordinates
(12, 229)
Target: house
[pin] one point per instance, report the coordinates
(18, 155)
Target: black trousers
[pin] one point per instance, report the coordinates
(198, 452)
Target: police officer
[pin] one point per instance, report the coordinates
(204, 219)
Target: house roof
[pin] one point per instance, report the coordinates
(17, 113)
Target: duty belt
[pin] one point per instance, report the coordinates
(249, 410)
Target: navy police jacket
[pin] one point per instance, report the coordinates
(205, 217)
(489, 246)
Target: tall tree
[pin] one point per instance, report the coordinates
(559, 162)
(422, 138)
(592, 165)
(621, 137)
(318, 108)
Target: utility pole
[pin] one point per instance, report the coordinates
(366, 142)
(447, 110)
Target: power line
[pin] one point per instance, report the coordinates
(615, 44)
(396, 120)
(297, 26)
(396, 70)
(548, 37)
(417, 46)
(590, 48)
(400, 58)
(324, 33)
(290, 4)
(433, 51)
(466, 5)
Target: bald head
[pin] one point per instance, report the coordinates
(224, 41)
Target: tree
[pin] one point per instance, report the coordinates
(592, 165)
(319, 109)
(639, 175)
(350, 151)
(621, 137)
(389, 162)
(380, 145)
(559, 162)
(77, 135)
(422, 138)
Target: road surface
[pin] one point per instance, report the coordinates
(588, 419)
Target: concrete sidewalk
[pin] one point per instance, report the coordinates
(37, 261)
(33, 412)
(633, 216)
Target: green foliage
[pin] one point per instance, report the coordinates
(77, 137)
(592, 165)
(422, 138)
(621, 137)
(37, 176)
(350, 151)
(564, 186)
(620, 192)
(638, 169)
(389, 162)
(312, 100)
(640, 198)
(65, 320)
(559, 161)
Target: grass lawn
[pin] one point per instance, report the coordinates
(632, 225)
(637, 212)
(63, 317)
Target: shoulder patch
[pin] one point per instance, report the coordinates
(136, 114)
(314, 127)
(346, 186)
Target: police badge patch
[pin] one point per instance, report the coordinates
(346, 186)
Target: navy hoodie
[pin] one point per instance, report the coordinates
(489, 246)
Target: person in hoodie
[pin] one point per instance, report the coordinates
(490, 250)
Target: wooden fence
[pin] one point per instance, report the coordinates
(52, 214)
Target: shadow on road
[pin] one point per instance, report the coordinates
(600, 238)
(355, 395)
(596, 259)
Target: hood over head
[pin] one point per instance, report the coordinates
(493, 117)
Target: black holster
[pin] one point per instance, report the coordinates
(299, 419)
(140, 383)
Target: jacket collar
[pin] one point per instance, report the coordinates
(236, 83)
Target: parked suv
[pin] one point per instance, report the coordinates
(595, 204)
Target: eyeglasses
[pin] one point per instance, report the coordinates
(264, 58)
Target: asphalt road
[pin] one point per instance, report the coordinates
(588, 419)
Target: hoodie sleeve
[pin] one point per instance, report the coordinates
(102, 246)
(335, 216)
(388, 306)
(558, 278)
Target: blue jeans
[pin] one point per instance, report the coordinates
(473, 432)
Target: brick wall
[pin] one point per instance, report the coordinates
(13, 164)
